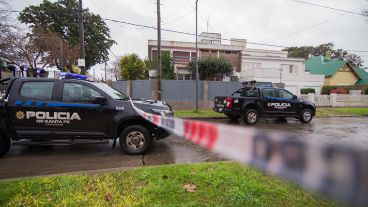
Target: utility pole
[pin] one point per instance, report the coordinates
(105, 70)
(158, 50)
(197, 57)
(81, 37)
(61, 54)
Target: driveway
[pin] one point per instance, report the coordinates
(24, 161)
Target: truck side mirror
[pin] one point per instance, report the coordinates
(99, 100)
(295, 97)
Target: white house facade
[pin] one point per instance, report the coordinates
(274, 66)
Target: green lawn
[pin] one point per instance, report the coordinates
(215, 184)
(327, 112)
(321, 112)
(200, 113)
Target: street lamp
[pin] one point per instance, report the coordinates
(197, 57)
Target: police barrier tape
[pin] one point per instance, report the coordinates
(338, 172)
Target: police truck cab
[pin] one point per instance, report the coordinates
(42, 110)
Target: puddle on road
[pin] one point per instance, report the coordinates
(338, 130)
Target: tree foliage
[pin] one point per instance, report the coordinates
(167, 65)
(321, 50)
(211, 67)
(132, 67)
(61, 17)
(39, 49)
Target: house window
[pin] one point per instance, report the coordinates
(290, 69)
(252, 66)
(184, 77)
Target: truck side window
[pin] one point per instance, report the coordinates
(74, 92)
(268, 92)
(283, 94)
(251, 93)
(37, 90)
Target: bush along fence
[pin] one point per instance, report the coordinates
(181, 93)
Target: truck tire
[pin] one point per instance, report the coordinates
(135, 140)
(306, 116)
(4, 145)
(251, 117)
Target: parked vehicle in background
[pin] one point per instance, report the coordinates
(251, 103)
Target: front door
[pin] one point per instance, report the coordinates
(84, 117)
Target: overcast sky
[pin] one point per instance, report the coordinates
(262, 21)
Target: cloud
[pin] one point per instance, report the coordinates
(254, 20)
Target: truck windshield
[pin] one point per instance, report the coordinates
(110, 91)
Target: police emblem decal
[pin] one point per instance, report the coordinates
(20, 115)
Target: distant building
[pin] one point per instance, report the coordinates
(209, 45)
(274, 66)
(248, 64)
(336, 72)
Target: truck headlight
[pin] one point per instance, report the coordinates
(163, 112)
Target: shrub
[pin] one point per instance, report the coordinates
(339, 91)
(365, 91)
(307, 90)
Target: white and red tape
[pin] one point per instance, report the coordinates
(336, 171)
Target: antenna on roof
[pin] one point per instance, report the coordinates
(208, 22)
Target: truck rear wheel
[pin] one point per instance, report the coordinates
(251, 116)
(4, 145)
(306, 116)
(135, 140)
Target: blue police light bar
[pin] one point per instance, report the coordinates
(73, 76)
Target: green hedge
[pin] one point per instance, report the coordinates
(328, 89)
(307, 90)
(365, 91)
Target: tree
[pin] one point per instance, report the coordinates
(321, 50)
(61, 17)
(39, 49)
(167, 66)
(211, 67)
(132, 67)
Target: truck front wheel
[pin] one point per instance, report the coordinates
(306, 116)
(251, 116)
(135, 140)
(4, 145)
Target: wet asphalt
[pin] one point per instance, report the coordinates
(25, 161)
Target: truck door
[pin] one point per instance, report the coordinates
(85, 118)
(28, 110)
(268, 99)
(286, 101)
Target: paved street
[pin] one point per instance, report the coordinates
(33, 161)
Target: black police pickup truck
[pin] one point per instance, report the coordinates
(45, 110)
(251, 103)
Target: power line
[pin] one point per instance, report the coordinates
(178, 18)
(192, 34)
(328, 7)
(312, 26)
(187, 33)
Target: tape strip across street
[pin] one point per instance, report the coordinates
(338, 172)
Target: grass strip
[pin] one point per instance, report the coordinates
(204, 184)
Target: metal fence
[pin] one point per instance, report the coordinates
(182, 93)
(338, 100)
(219, 88)
(181, 90)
